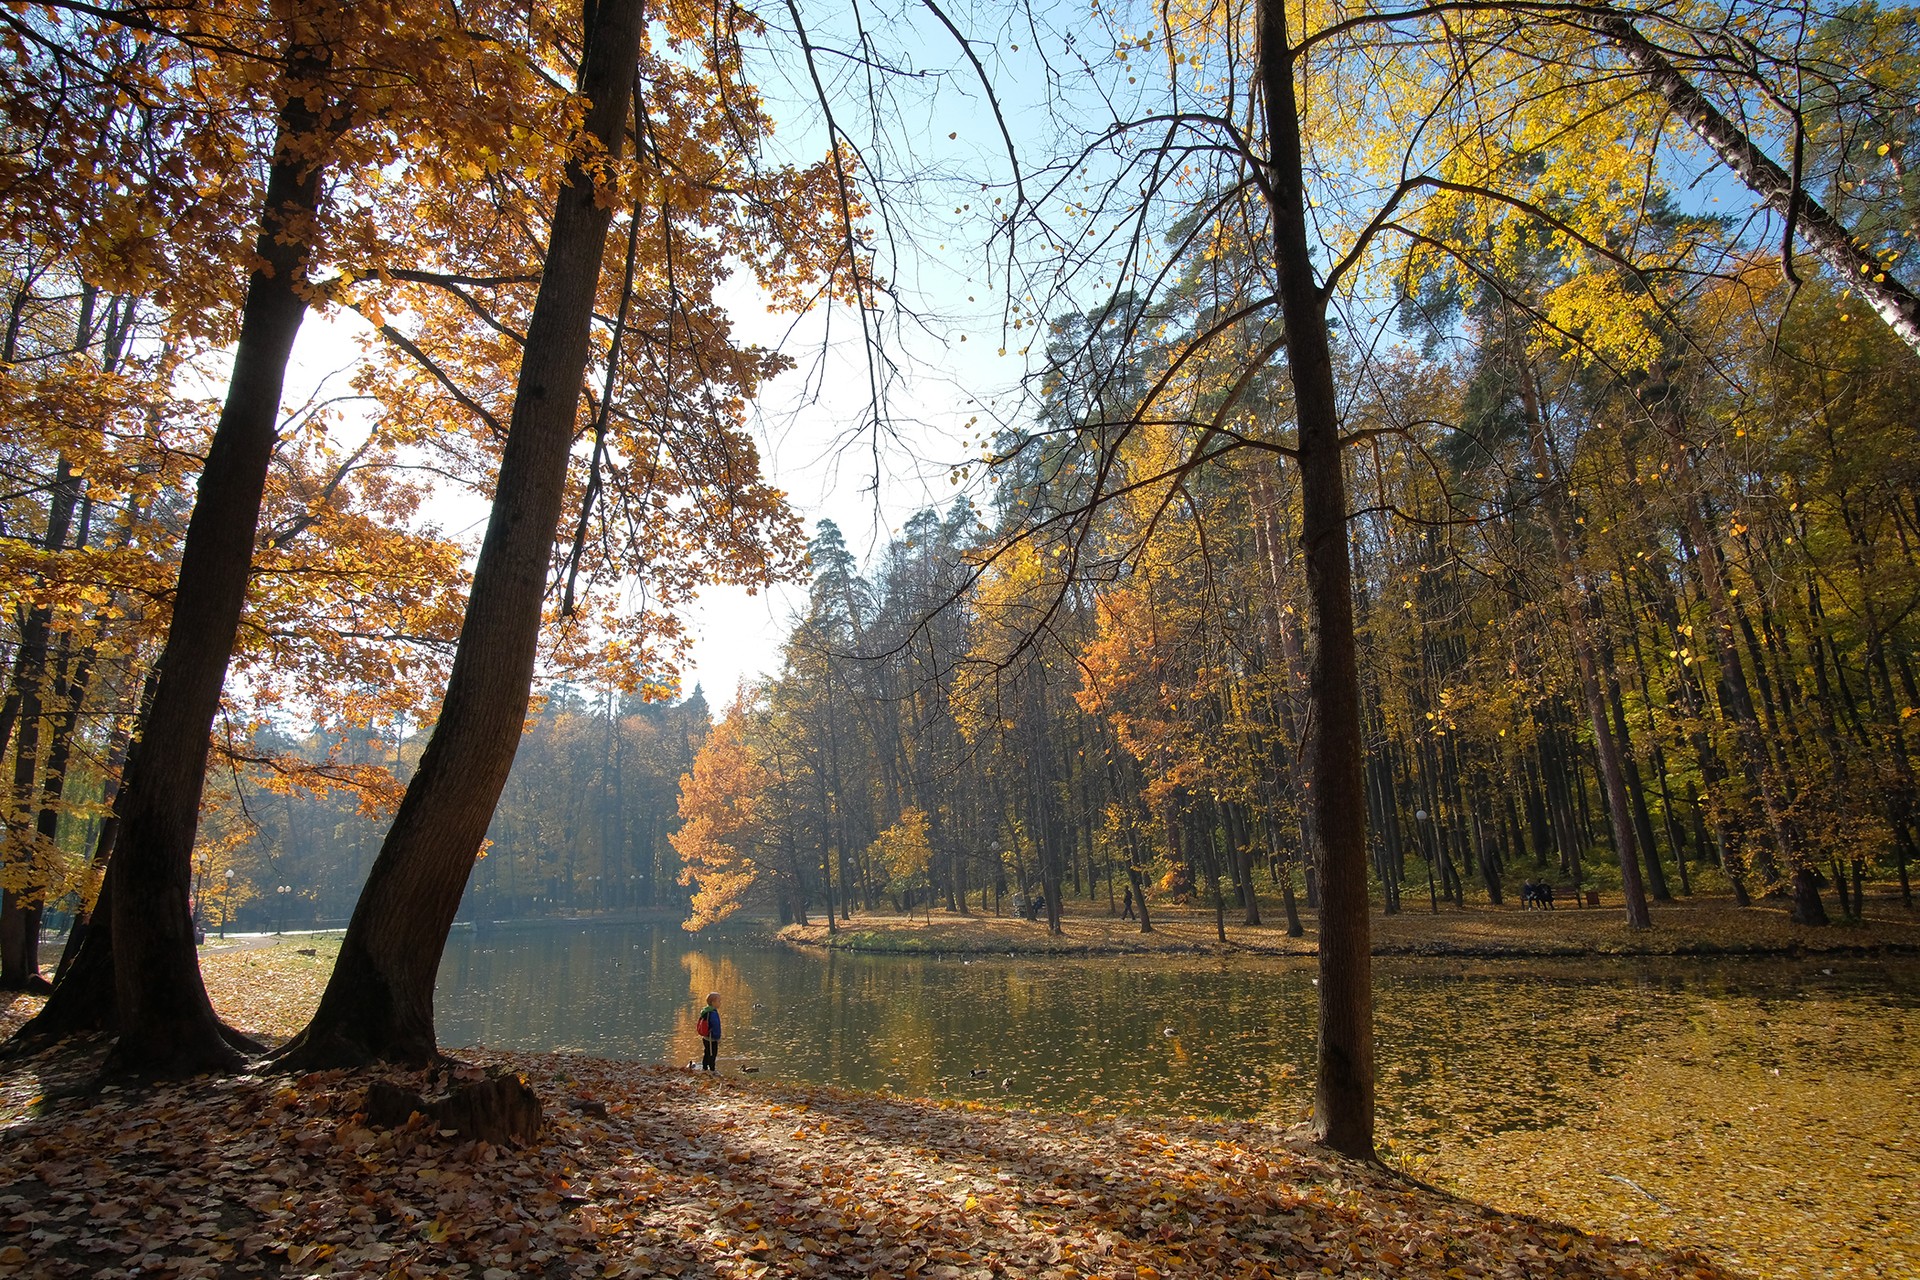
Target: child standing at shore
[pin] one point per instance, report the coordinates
(708, 1025)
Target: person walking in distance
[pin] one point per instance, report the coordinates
(708, 1025)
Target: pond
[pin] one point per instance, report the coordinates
(1605, 1092)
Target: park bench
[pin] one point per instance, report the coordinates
(1564, 897)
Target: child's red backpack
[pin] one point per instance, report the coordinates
(701, 1025)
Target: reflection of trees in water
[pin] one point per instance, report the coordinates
(868, 1025)
(1469, 1052)
(706, 973)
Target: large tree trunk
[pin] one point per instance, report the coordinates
(1343, 1098)
(167, 1025)
(378, 1004)
(1852, 262)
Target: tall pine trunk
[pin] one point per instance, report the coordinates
(1344, 1090)
(378, 1005)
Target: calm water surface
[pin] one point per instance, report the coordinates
(1467, 1049)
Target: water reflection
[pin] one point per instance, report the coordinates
(1466, 1050)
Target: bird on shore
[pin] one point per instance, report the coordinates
(1006, 1084)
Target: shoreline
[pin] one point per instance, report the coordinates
(1438, 950)
(1702, 928)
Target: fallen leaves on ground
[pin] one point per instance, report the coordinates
(645, 1171)
(706, 1176)
(1791, 1155)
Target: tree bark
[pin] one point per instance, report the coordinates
(1891, 300)
(1344, 1092)
(378, 1005)
(167, 1025)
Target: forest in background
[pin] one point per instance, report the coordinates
(1748, 587)
(581, 828)
(1707, 510)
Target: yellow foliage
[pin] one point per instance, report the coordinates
(720, 821)
(903, 849)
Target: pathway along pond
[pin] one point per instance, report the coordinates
(1762, 1108)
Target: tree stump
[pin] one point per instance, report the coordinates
(499, 1109)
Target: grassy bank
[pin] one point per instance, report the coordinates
(1698, 926)
(645, 1171)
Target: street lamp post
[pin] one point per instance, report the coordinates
(282, 891)
(999, 872)
(226, 904)
(1426, 853)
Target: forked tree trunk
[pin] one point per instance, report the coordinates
(167, 1024)
(378, 1005)
(20, 914)
(70, 696)
(1344, 1090)
(82, 1002)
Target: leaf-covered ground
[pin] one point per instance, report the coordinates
(1783, 1144)
(650, 1171)
(1702, 925)
(692, 1176)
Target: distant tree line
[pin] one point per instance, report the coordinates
(1711, 603)
(581, 828)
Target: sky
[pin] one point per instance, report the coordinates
(809, 425)
(940, 319)
(806, 424)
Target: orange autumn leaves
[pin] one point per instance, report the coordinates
(128, 215)
(722, 826)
